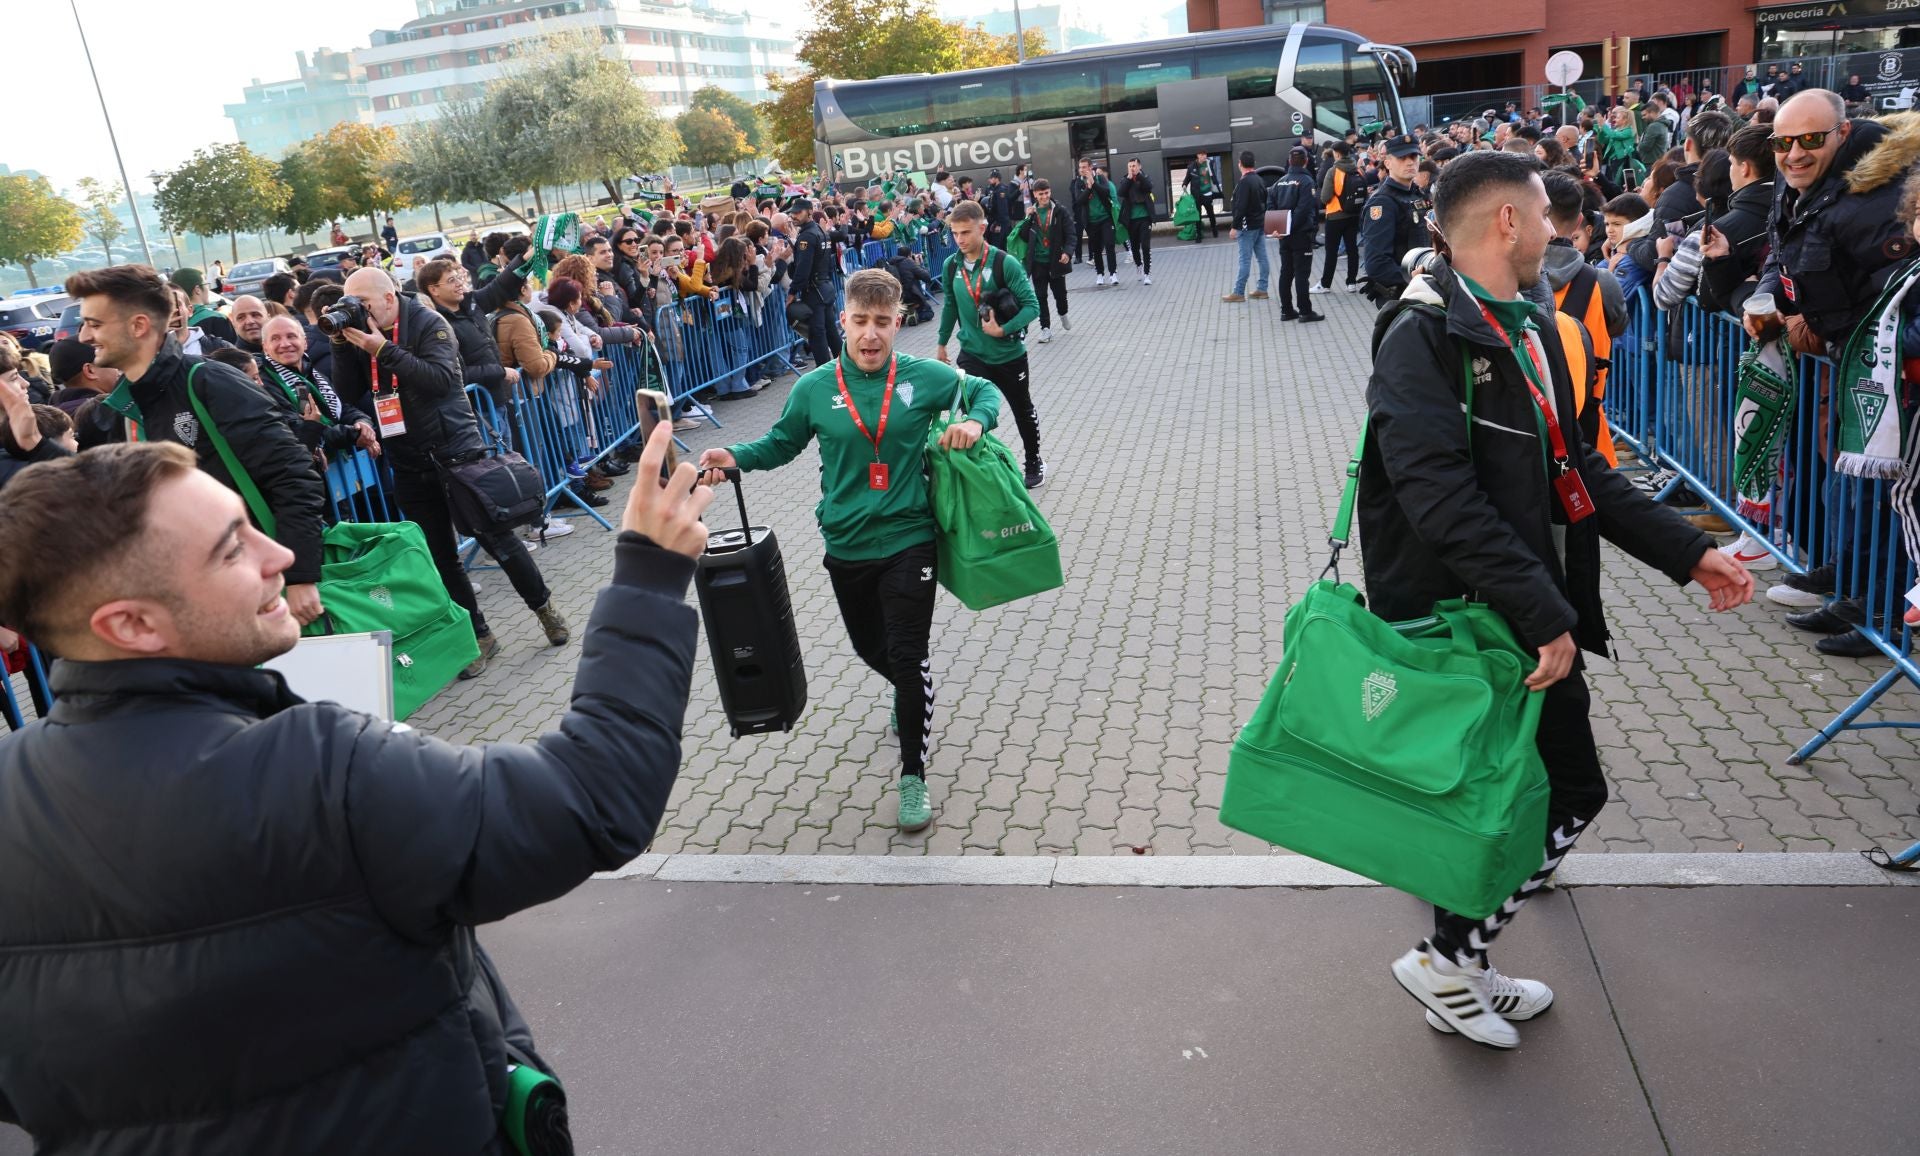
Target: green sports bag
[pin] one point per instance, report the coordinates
(1401, 751)
(379, 576)
(992, 544)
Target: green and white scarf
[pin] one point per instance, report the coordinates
(553, 231)
(1871, 443)
(1763, 403)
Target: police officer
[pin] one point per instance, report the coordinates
(1389, 224)
(813, 264)
(997, 200)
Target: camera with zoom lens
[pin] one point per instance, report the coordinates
(347, 313)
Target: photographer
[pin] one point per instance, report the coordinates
(271, 900)
(386, 342)
(123, 310)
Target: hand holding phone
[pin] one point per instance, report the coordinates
(655, 410)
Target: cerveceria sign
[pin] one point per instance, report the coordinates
(928, 154)
(1832, 10)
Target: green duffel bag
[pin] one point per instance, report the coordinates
(992, 544)
(379, 576)
(1403, 751)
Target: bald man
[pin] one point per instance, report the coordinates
(248, 315)
(406, 346)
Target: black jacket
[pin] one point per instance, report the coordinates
(813, 264)
(12, 462)
(234, 922)
(473, 333)
(1249, 202)
(998, 202)
(1389, 227)
(1677, 203)
(281, 468)
(1135, 191)
(1305, 209)
(1744, 225)
(1835, 245)
(1442, 517)
(1077, 192)
(433, 398)
(1060, 231)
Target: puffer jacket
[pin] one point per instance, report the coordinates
(433, 398)
(235, 923)
(1744, 225)
(262, 442)
(1444, 515)
(479, 356)
(1835, 245)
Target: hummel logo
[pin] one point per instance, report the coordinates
(839, 401)
(1376, 692)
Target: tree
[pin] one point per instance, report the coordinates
(456, 158)
(862, 39)
(35, 222)
(710, 138)
(743, 113)
(353, 163)
(576, 115)
(99, 200)
(227, 188)
(307, 200)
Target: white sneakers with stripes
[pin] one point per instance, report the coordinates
(1474, 1002)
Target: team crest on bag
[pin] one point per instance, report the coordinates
(382, 595)
(1376, 693)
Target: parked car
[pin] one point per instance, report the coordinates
(32, 320)
(324, 264)
(248, 276)
(428, 245)
(69, 323)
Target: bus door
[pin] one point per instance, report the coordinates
(1194, 118)
(1087, 141)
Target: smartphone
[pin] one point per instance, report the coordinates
(655, 408)
(1706, 222)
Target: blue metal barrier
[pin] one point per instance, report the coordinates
(357, 489)
(38, 687)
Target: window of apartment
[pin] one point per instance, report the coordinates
(1288, 12)
(406, 66)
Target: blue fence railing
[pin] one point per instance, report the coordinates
(1672, 399)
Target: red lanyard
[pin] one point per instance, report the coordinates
(969, 281)
(394, 381)
(1566, 480)
(886, 403)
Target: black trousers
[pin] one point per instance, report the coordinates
(1079, 234)
(1345, 231)
(1140, 243)
(1100, 239)
(1011, 379)
(1206, 206)
(1049, 274)
(823, 328)
(1296, 273)
(1577, 790)
(423, 498)
(887, 605)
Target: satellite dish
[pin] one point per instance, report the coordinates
(1563, 68)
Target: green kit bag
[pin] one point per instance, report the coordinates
(379, 576)
(992, 544)
(1400, 751)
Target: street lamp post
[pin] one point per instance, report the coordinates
(126, 184)
(1019, 37)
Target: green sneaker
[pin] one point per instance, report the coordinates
(915, 810)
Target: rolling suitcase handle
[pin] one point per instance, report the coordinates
(732, 474)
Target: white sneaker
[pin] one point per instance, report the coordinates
(531, 544)
(1751, 553)
(1146, 279)
(1065, 325)
(1512, 999)
(1319, 288)
(1353, 286)
(1785, 595)
(1099, 280)
(1046, 335)
(1457, 996)
(555, 528)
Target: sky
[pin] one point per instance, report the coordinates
(168, 70)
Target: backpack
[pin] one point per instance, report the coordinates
(1001, 299)
(1579, 306)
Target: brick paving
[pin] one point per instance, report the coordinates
(1197, 449)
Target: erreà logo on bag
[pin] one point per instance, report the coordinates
(1376, 693)
(1007, 531)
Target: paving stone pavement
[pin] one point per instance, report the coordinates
(1197, 449)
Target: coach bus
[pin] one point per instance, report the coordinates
(1158, 101)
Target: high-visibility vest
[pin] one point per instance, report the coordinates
(1593, 418)
(1339, 187)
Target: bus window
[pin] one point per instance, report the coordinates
(1369, 90)
(1131, 86)
(887, 110)
(1059, 90)
(973, 104)
(1320, 71)
(1249, 69)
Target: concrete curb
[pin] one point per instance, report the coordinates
(1765, 869)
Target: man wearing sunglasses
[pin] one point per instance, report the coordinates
(1836, 235)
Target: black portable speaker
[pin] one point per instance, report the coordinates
(742, 584)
